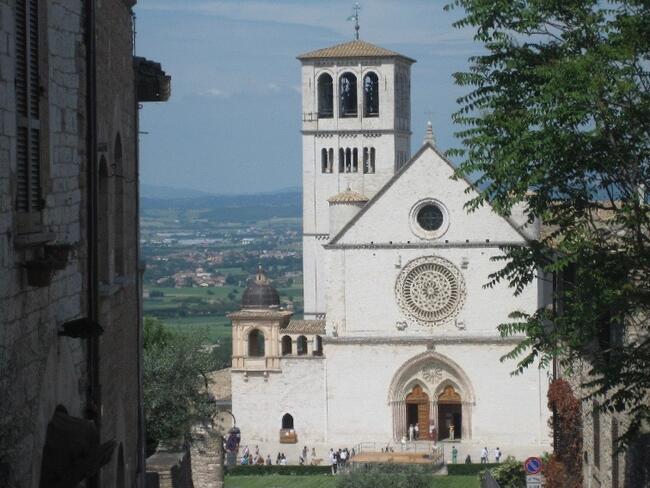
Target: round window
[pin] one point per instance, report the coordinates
(430, 217)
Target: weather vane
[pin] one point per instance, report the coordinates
(355, 17)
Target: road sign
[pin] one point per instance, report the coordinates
(534, 481)
(533, 465)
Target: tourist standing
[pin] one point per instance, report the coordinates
(269, 461)
(454, 455)
(416, 431)
(411, 432)
(305, 451)
(332, 460)
(484, 455)
(497, 454)
(452, 432)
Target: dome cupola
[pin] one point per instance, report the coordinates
(259, 293)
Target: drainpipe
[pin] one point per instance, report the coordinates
(141, 469)
(93, 393)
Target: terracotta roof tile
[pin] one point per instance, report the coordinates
(305, 327)
(348, 196)
(353, 49)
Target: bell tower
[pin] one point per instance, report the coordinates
(356, 133)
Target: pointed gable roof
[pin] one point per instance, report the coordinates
(427, 145)
(353, 49)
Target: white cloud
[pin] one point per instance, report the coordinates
(382, 21)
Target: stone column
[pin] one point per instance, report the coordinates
(207, 458)
(466, 411)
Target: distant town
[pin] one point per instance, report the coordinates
(200, 252)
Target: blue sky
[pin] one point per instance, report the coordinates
(232, 124)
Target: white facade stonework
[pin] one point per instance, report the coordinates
(410, 332)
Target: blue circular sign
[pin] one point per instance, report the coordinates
(533, 465)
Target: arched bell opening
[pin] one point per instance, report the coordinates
(256, 343)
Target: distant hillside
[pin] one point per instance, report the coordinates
(232, 208)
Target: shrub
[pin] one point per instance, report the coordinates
(468, 469)
(509, 474)
(277, 469)
(388, 475)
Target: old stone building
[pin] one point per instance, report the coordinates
(399, 330)
(69, 277)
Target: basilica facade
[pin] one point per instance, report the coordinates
(398, 327)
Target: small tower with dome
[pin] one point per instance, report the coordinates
(256, 328)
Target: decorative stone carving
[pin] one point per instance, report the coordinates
(432, 374)
(430, 290)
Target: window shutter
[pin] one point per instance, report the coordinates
(28, 146)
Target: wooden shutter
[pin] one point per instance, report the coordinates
(28, 144)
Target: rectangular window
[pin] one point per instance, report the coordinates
(29, 198)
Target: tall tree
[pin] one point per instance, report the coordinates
(557, 121)
(176, 368)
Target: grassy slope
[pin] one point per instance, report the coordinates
(276, 481)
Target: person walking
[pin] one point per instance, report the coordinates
(484, 455)
(454, 455)
(305, 451)
(332, 460)
(269, 461)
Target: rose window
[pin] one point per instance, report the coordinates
(430, 290)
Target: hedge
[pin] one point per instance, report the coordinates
(468, 469)
(255, 470)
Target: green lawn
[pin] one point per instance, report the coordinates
(278, 481)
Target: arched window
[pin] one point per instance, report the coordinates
(348, 160)
(366, 160)
(323, 160)
(341, 160)
(119, 206)
(103, 230)
(372, 160)
(318, 345)
(287, 421)
(256, 343)
(286, 345)
(330, 163)
(371, 95)
(348, 95)
(301, 346)
(325, 96)
(355, 160)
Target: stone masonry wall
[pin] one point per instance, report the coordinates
(39, 369)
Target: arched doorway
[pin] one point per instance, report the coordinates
(450, 414)
(417, 411)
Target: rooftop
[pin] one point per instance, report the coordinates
(353, 49)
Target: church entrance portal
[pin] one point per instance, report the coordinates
(417, 410)
(450, 415)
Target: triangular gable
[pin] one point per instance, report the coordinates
(513, 232)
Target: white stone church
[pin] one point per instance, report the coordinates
(398, 328)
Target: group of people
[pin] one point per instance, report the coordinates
(302, 458)
(484, 456)
(257, 459)
(339, 459)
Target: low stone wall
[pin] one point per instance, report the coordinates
(168, 469)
